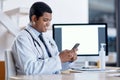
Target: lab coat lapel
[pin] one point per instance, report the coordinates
(42, 48)
(47, 40)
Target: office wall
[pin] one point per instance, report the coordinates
(6, 40)
(64, 11)
(72, 11)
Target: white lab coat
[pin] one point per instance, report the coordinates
(31, 60)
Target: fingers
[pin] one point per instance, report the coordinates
(65, 56)
(73, 54)
(68, 55)
(74, 58)
(75, 50)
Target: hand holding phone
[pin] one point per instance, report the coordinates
(74, 54)
(76, 45)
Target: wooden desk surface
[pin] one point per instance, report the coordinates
(84, 75)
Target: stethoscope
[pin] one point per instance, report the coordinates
(35, 41)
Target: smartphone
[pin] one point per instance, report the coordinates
(76, 45)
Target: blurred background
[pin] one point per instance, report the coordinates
(14, 17)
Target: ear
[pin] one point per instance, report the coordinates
(33, 18)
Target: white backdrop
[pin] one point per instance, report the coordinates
(64, 11)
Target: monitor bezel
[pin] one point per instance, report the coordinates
(106, 49)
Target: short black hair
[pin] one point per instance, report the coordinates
(38, 8)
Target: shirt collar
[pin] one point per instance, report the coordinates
(31, 29)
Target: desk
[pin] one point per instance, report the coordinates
(84, 75)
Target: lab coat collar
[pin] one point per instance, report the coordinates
(33, 31)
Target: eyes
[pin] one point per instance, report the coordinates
(46, 20)
(46, 17)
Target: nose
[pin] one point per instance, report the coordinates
(48, 23)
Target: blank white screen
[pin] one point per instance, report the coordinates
(86, 36)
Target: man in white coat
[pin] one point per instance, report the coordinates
(34, 54)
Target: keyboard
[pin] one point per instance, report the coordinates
(86, 69)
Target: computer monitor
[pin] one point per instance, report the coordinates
(88, 35)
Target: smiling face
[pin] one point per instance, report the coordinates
(43, 22)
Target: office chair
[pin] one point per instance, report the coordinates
(9, 64)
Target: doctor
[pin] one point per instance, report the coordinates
(34, 55)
